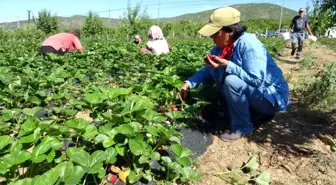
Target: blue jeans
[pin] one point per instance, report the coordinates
(244, 103)
(297, 41)
(298, 37)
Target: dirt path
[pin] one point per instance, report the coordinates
(289, 147)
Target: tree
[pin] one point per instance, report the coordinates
(167, 29)
(134, 21)
(46, 22)
(322, 16)
(93, 25)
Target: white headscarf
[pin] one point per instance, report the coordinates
(155, 33)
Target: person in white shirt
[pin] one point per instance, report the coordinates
(157, 44)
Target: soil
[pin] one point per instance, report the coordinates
(290, 147)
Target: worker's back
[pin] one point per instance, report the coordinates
(64, 41)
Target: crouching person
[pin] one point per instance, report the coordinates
(248, 80)
(62, 43)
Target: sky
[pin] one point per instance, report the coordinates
(13, 10)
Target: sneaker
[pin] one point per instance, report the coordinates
(230, 136)
(293, 52)
(265, 119)
(298, 55)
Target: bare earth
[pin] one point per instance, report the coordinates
(291, 147)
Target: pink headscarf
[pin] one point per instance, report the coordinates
(155, 33)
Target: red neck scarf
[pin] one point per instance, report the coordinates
(227, 52)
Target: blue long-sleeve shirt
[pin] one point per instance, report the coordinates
(252, 63)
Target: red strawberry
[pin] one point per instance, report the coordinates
(113, 179)
(173, 108)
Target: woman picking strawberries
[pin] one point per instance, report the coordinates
(246, 76)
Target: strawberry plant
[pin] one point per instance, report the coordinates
(127, 98)
(104, 115)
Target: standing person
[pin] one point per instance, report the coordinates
(251, 86)
(300, 23)
(62, 43)
(157, 44)
(137, 39)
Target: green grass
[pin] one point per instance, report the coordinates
(331, 42)
(308, 62)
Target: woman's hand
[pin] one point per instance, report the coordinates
(183, 92)
(215, 61)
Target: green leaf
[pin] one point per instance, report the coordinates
(251, 164)
(180, 151)
(175, 115)
(108, 142)
(26, 181)
(152, 130)
(195, 176)
(6, 116)
(184, 161)
(143, 160)
(97, 168)
(34, 100)
(120, 149)
(97, 157)
(39, 151)
(31, 112)
(133, 177)
(111, 154)
(79, 124)
(60, 158)
(57, 110)
(115, 92)
(135, 147)
(155, 156)
(79, 156)
(94, 98)
(125, 129)
(16, 156)
(42, 93)
(166, 160)
(187, 174)
(70, 174)
(32, 138)
(75, 177)
(175, 139)
(185, 152)
(141, 103)
(70, 112)
(264, 178)
(153, 116)
(177, 149)
(100, 138)
(5, 140)
(6, 78)
(90, 132)
(48, 177)
(101, 173)
(28, 126)
(136, 103)
(148, 177)
(50, 157)
(136, 127)
(173, 80)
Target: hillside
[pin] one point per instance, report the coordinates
(65, 22)
(248, 11)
